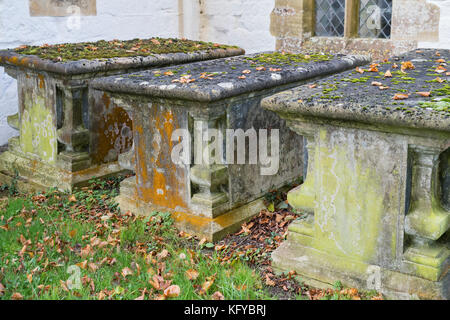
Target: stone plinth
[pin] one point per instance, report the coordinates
(377, 185)
(64, 139)
(211, 198)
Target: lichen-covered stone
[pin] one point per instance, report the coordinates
(210, 200)
(62, 135)
(376, 191)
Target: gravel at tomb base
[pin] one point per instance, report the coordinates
(116, 48)
(418, 80)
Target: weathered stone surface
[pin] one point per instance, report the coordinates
(376, 190)
(65, 139)
(209, 199)
(62, 8)
(293, 25)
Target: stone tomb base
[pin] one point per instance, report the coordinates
(213, 229)
(30, 174)
(322, 269)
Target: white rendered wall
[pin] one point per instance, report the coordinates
(444, 27)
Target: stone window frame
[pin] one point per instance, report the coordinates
(351, 19)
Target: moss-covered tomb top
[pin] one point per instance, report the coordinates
(115, 54)
(223, 78)
(412, 89)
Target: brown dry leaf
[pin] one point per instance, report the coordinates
(82, 265)
(246, 71)
(439, 80)
(72, 198)
(16, 296)
(2, 290)
(373, 67)
(388, 74)
(407, 65)
(154, 281)
(217, 296)
(358, 69)
(312, 86)
(208, 283)
(92, 266)
(260, 68)
(202, 241)
(63, 285)
(126, 272)
(424, 94)
(394, 66)
(401, 96)
(163, 254)
(440, 60)
(269, 282)
(377, 84)
(168, 73)
(242, 77)
(383, 87)
(155, 41)
(192, 274)
(440, 69)
(275, 69)
(172, 291)
(73, 233)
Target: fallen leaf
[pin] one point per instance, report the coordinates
(2, 290)
(383, 87)
(358, 69)
(424, 94)
(312, 86)
(168, 73)
(172, 291)
(72, 198)
(400, 96)
(440, 69)
(16, 296)
(275, 69)
(126, 272)
(440, 61)
(242, 77)
(407, 65)
(260, 68)
(388, 74)
(269, 281)
(192, 274)
(163, 254)
(439, 80)
(377, 84)
(246, 72)
(217, 296)
(82, 265)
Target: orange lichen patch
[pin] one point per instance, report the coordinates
(160, 181)
(113, 132)
(41, 81)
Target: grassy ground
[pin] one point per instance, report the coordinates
(57, 245)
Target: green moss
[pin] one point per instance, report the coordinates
(281, 58)
(116, 48)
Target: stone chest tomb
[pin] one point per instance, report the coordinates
(376, 192)
(211, 198)
(53, 121)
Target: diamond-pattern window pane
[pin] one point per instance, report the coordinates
(330, 17)
(375, 18)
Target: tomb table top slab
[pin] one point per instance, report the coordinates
(224, 78)
(102, 56)
(411, 91)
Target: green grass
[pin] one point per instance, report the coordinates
(48, 239)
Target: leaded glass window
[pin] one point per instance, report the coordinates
(330, 18)
(375, 18)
